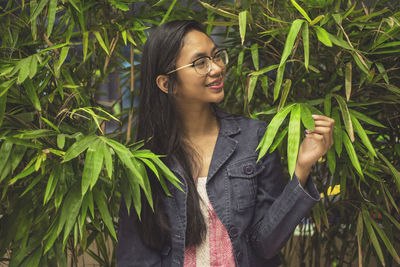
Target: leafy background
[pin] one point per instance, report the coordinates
(68, 95)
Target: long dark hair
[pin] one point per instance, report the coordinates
(159, 120)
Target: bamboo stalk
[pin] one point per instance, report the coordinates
(132, 88)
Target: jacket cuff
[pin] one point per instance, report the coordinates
(309, 189)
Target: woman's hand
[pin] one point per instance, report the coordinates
(315, 144)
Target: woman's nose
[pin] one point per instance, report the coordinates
(215, 69)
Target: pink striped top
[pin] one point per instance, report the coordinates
(216, 249)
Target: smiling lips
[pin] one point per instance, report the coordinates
(216, 85)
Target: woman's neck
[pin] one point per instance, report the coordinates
(199, 121)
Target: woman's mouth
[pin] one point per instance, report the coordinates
(216, 85)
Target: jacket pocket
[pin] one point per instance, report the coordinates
(242, 175)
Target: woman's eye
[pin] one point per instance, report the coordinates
(200, 63)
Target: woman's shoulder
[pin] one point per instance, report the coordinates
(244, 124)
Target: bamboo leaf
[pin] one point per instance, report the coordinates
(327, 105)
(396, 173)
(301, 10)
(264, 70)
(345, 115)
(348, 80)
(167, 173)
(100, 199)
(306, 44)
(70, 211)
(85, 44)
(5, 152)
(330, 155)
(382, 71)
(93, 164)
(60, 141)
(306, 118)
(52, 183)
(254, 56)
(251, 86)
(360, 230)
(279, 139)
(101, 42)
(38, 9)
(362, 134)
(372, 235)
(32, 184)
(271, 131)
(63, 56)
(352, 154)
(32, 94)
(107, 159)
(337, 132)
(322, 35)
(240, 62)
(316, 20)
(385, 240)
(51, 16)
(32, 66)
(50, 124)
(78, 147)
(287, 50)
(218, 11)
(171, 6)
(242, 25)
(23, 66)
(285, 92)
(293, 138)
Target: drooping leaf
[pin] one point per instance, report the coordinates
(271, 131)
(242, 25)
(78, 147)
(51, 16)
(348, 80)
(352, 154)
(251, 86)
(362, 134)
(322, 35)
(93, 164)
(301, 10)
(285, 92)
(330, 155)
(306, 44)
(35, 12)
(293, 138)
(254, 56)
(372, 235)
(345, 115)
(100, 200)
(306, 117)
(337, 132)
(101, 42)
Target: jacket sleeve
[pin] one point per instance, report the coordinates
(131, 251)
(279, 208)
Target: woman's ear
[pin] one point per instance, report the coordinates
(162, 83)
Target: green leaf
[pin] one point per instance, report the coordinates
(50, 124)
(287, 50)
(85, 44)
(264, 70)
(327, 105)
(100, 200)
(293, 138)
(5, 152)
(396, 173)
(78, 147)
(4, 86)
(33, 66)
(242, 25)
(57, 172)
(32, 95)
(16, 156)
(348, 80)
(32, 184)
(167, 173)
(38, 9)
(362, 134)
(254, 56)
(337, 132)
(345, 115)
(316, 20)
(135, 192)
(271, 131)
(322, 35)
(107, 159)
(330, 155)
(63, 56)
(51, 16)
(218, 11)
(93, 164)
(23, 174)
(252, 85)
(278, 139)
(31, 134)
(382, 71)
(171, 6)
(60, 141)
(101, 42)
(372, 236)
(306, 118)
(352, 154)
(285, 92)
(301, 10)
(360, 64)
(306, 44)
(23, 66)
(70, 211)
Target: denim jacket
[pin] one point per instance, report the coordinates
(258, 211)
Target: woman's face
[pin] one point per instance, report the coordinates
(191, 87)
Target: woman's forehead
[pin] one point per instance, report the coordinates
(196, 44)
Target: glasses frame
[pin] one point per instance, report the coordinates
(192, 64)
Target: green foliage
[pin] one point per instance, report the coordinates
(64, 170)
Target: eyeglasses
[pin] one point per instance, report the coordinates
(202, 65)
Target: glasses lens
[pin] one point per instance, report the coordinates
(221, 58)
(202, 65)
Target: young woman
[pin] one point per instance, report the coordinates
(234, 211)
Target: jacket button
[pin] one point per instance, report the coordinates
(248, 169)
(234, 232)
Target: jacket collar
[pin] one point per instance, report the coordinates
(224, 147)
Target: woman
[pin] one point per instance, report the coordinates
(234, 211)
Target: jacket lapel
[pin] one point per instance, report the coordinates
(225, 145)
